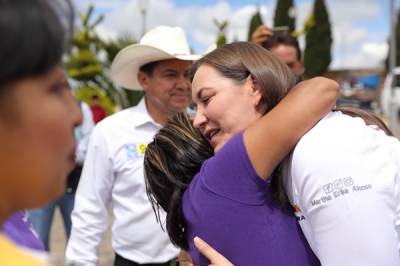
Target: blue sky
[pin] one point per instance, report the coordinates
(360, 27)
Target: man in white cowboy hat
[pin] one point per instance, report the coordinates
(113, 169)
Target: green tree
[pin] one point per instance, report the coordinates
(88, 63)
(255, 22)
(285, 14)
(82, 62)
(221, 35)
(317, 54)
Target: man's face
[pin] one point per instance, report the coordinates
(167, 88)
(288, 55)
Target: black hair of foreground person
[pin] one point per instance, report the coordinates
(29, 28)
(34, 90)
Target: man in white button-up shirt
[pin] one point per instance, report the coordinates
(113, 169)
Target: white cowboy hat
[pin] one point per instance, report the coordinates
(160, 43)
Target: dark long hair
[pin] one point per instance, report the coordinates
(171, 161)
(33, 37)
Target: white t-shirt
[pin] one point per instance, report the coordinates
(343, 180)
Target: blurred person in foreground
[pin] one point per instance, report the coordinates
(42, 218)
(38, 113)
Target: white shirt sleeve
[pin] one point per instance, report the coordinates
(89, 216)
(85, 131)
(344, 196)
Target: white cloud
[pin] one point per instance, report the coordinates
(105, 33)
(376, 50)
(357, 46)
(196, 20)
(345, 10)
(354, 44)
(371, 54)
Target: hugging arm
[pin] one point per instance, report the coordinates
(274, 135)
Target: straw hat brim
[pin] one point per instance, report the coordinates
(127, 62)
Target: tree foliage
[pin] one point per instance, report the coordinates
(88, 63)
(221, 35)
(285, 14)
(317, 54)
(255, 22)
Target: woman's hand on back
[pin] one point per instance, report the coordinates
(215, 258)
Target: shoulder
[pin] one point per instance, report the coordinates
(229, 174)
(336, 132)
(119, 121)
(118, 117)
(230, 159)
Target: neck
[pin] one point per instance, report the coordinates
(159, 116)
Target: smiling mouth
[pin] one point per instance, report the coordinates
(211, 134)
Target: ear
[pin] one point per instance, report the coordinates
(143, 79)
(255, 90)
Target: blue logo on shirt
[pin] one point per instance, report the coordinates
(134, 151)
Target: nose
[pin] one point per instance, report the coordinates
(183, 82)
(199, 119)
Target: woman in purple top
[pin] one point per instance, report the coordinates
(231, 201)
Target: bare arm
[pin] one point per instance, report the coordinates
(274, 135)
(261, 34)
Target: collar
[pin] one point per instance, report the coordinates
(142, 116)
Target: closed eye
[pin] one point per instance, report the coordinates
(205, 100)
(170, 74)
